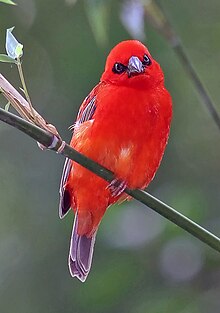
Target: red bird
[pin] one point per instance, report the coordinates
(124, 125)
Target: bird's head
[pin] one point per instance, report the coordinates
(130, 64)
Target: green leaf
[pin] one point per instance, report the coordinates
(8, 2)
(7, 106)
(14, 49)
(19, 49)
(98, 16)
(5, 58)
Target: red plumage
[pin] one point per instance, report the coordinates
(124, 125)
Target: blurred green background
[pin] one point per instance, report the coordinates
(142, 263)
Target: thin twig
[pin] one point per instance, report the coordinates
(47, 139)
(24, 86)
(157, 18)
(178, 48)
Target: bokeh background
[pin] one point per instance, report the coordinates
(142, 262)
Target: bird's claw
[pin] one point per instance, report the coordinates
(117, 187)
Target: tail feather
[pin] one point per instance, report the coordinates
(81, 252)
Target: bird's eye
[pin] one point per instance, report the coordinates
(146, 61)
(119, 68)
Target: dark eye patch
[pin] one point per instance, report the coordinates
(119, 68)
(146, 60)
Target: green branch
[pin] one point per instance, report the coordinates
(53, 143)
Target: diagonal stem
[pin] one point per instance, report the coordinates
(157, 18)
(178, 48)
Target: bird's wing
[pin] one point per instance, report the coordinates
(86, 113)
(65, 201)
(88, 107)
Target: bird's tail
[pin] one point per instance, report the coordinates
(81, 252)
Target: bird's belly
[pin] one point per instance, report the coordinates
(132, 149)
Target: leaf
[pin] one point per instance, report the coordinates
(5, 58)
(7, 106)
(19, 49)
(98, 17)
(14, 49)
(8, 2)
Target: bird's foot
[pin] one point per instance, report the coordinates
(117, 187)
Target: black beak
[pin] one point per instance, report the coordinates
(135, 66)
